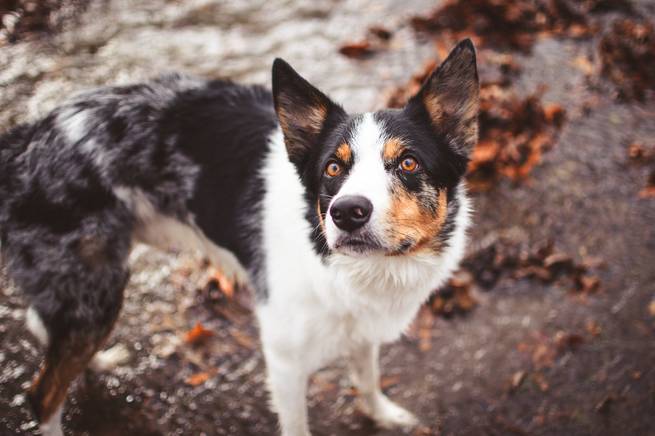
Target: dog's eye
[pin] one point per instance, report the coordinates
(333, 169)
(408, 165)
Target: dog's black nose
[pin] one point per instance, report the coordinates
(351, 212)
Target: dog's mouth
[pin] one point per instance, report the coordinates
(357, 244)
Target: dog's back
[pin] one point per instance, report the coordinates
(172, 162)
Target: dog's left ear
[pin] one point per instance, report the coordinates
(449, 100)
(302, 110)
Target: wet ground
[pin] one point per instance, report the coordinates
(532, 358)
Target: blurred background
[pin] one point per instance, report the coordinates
(547, 329)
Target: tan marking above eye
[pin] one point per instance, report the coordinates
(333, 169)
(393, 147)
(409, 164)
(344, 153)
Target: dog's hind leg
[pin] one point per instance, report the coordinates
(75, 284)
(67, 357)
(75, 332)
(365, 374)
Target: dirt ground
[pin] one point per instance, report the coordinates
(537, 355)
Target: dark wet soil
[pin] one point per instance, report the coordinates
(534, 357)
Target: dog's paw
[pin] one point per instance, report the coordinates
(109, 359)
(389, 415)
(233, 270)
(52, 427)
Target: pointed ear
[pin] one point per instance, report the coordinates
(302, 111)
(450, 99)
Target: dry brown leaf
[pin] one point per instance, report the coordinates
(198, 378)
(388, 381)
(357, 50)
(583, 64)
(593, 328)
(626, 53)
(541, 382)
(588, 284)
(198, 334)
(567, 341)
(640, 152)
(649, 190)
(380, 32)
(543, 355)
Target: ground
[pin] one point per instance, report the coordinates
(535, 356)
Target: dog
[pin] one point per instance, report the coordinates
(342, 225)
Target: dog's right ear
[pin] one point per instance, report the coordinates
(302, 111)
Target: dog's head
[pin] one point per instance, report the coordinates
(381, 182)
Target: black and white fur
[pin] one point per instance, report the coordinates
(241, 174)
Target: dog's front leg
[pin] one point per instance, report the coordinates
(287, 382)
(365, 374)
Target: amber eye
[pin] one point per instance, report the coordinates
(333, 169)
(409, 164)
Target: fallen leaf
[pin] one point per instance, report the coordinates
(641, 153)
(588, 284)
(559, 262)
(380, 32)
(626, 54)
(567, 341)
(541, 382)
(543, 355)
(357, 50)
(198, 378)
(593, 328)
(583, 64)
(649, 190)
(198, 334)
(388, 381)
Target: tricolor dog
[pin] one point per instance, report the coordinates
(341, 224)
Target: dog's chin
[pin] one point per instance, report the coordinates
(357, 245)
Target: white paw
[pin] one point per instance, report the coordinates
(111, 358)
(52, 427)
(388, 414)
(233, 270)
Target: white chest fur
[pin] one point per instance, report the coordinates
(322, 309)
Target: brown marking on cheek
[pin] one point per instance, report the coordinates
(412, 221)
(344, 153)
(393, 147)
